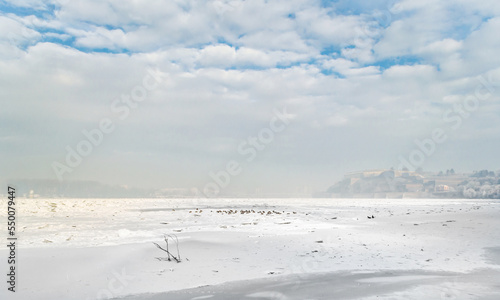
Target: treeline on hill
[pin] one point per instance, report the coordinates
(385, 182)
(482, 184)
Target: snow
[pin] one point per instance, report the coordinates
(257, 249)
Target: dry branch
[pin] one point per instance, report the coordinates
(176, 240)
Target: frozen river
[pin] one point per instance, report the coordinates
(257, 249)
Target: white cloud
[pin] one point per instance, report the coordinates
(480, 49)
(327, 29)
(15, 36)
(405, 72)
(15, 33)
(103, 38)
(269, 40)
(60, 36)
(224, 56)
(440, 48)
(350, 68)
(218, 55)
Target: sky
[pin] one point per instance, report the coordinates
(245, 96)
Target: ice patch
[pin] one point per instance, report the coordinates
(202, 297)
(269, 296)
(492, 255)
(395, 279)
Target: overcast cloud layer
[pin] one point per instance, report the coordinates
(360, 82)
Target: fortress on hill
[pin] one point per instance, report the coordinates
(389, 183)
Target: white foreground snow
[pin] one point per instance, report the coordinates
(303, 249)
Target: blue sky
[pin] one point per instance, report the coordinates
(362, 81)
